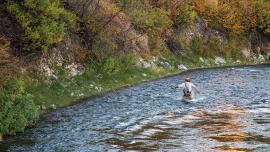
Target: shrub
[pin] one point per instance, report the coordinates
(185, 16)
(213, 47)
(43, 21)
(225, 17)
(263, 13)
(128, 62)
(17, 109)
(156, 20)
(111, 66)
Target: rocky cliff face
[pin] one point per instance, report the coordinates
(111, 20)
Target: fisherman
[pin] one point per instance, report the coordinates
(188, 87)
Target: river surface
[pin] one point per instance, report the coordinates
(231, 114)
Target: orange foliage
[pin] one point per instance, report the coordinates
(173, 6)
(81, 55)
(226, 16)
(8, 63)
(4, 47)
(248, 9)
(237, 17)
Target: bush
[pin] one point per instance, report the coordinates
(43, 21)
(17, 109)
(157, 20)
(225, 17)
(185, 16)
(213, 47)
(111, 66)
(128, 62)
(263, 13)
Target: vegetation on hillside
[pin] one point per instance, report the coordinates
(44, 22)
(108, 31)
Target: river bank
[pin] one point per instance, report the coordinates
(141, 78)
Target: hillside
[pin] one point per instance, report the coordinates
(54, 52)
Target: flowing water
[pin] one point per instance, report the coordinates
(231, 114)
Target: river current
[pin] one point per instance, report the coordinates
(231, 114)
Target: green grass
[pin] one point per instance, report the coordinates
(65, 91)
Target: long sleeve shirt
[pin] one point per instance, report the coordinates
(188, 86)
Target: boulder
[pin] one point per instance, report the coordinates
(220, 60)
(116, 23)
(182, 67)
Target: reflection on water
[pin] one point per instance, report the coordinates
(232, 148)
(232, 114)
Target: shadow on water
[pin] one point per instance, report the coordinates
(232, 114)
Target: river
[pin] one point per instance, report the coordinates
(231, 114)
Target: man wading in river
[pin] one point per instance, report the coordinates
(188, 87)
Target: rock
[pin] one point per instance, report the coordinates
(142, 42)
(201, 60)
(91, 86)
(46, 70)
(182, 67)
(74, 69)
(72, 94)
(143, 64)
(246, 53)
(260, 59)
(219, 60)
(148, 65)
(153, 65)
(54, 77)
(238, 61)
(98, 88)
(165, 64)
(268, 56)
(53, 106)
(144, 75)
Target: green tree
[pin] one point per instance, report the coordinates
(17, 109)
(43, 21)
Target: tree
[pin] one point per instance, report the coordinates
(44, 22)
(263, 14)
